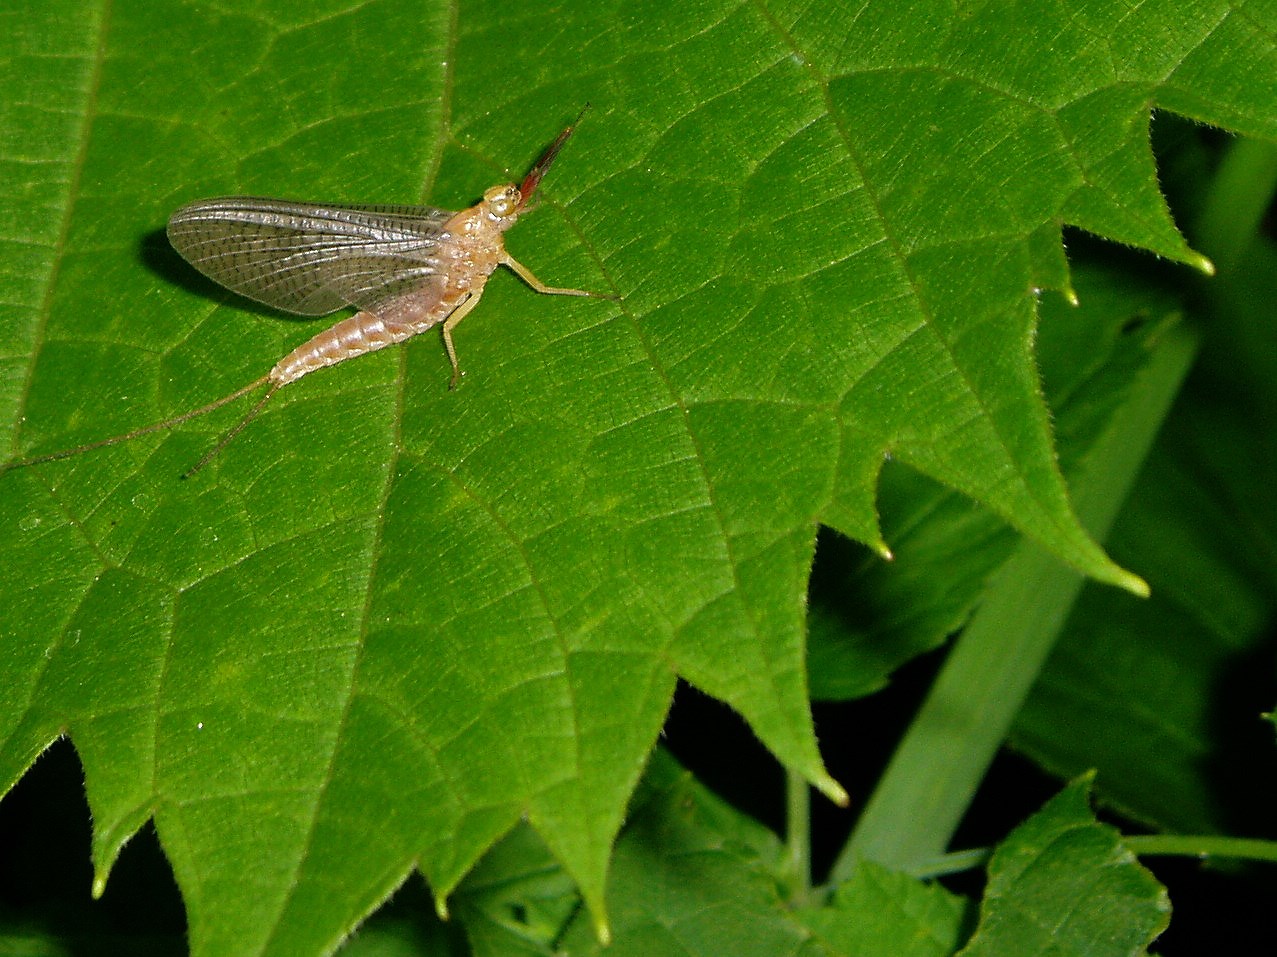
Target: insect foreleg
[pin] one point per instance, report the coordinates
(453, 320)
(524, 273)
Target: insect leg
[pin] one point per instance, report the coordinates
(524, 273)
(453, 320)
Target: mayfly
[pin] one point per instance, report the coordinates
(406, 268)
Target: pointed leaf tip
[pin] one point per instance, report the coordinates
(1131, 582)
(832, 790)
(602, 932)
(1108, 572)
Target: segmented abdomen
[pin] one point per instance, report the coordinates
(366, 332)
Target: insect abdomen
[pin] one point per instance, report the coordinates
(364, 332)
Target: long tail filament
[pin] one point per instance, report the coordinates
(158, 426)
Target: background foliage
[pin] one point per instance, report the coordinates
(391, 623)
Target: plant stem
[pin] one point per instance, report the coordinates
(1209, 845)
(1239, 195)
(798, 836)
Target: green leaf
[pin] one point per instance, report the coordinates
(1064, 884)
(691, 874)
(937, 768)
(389, 621)
(1164, 697)
(881, 913)
(869, 618)
(518, 899)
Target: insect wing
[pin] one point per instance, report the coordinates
(310, 258)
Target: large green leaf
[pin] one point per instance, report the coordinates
(1165, 697)
(389, 620)
(867, 617)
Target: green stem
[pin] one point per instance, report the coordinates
(1203, 846)
(798, 836)
(1200, 846)
(1239, 195)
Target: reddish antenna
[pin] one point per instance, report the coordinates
(533, 179)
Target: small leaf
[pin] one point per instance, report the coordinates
(882, 913)
(1064, 884)
(692, 876)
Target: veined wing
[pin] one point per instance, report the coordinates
(310, 258)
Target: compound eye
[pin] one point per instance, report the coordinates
(502, 201)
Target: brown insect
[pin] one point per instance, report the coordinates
(406, 268)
